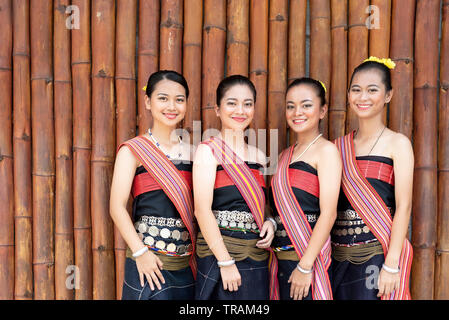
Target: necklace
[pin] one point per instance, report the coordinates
(310, 144)
(376, 139)
(159, 145)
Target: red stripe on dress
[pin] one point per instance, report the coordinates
(376, 170)
(144, 182)
(305, 181)
(222, 179)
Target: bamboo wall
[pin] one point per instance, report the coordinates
(70, 92)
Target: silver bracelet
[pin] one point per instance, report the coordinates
(390, 270)
(304, 270)
(226, 263)
(273, 222)
(140, 252)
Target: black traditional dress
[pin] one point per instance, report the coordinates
(357, 255)
(240, 233)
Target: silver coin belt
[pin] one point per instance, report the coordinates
(150, 227)
(235, 219)
(283, 233)
(349, 218)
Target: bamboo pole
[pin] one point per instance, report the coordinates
(23, 273)
(237, 44)
(296, 45)
(147, 55)
(258, 65)
(425, 147)
(338, 90)
(320, 48)
(43, 149)
(277, 80)
(442, 261)
(6, 155)
(81, 82)
(103, 147)
(192, 45)
(379, 36)
(214, 41)
(401, 51)
(357, 47)
(64, 252)
(277, 74)
(170, 55)
(125, 83)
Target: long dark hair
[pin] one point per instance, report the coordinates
(165, 75)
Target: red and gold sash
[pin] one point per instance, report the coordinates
(251, 191)
(373, 211)
(298, 228)
(171, 181)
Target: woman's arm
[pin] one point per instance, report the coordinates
(203, 173)
(329, 175)
(148, 264)
(403, 164)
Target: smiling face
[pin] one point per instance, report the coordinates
(303, 109)
(167, 103)
(236, 109)
(367, 95)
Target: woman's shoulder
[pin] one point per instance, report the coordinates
(399, 144)
(327, 148)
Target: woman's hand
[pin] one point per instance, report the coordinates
(150, 266)
(267, 233)
(230, 277)
(387, 282)
(300, 284)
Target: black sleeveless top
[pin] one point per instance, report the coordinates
(304, 182)
(227, 197)
(150, 199)
(349, 229)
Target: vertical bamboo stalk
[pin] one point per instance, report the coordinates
(320, 48)
(357, 47)
(43, 149)
(214, 41)
(338, 90)
(401, 51)
(192, 45)
(64, 256)
(237, 44)
(442, 261)
(125, 83)
(425, 146)
(170, 55)
(296, 45)
(22, 152)
(277, 73)
(379, 35)
(258, 59)
(147, 55)
(103, 146)
(6, 155)
(82, 144)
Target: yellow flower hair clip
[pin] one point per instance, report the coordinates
(385, 61)
(324, 87)
(144, 88)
